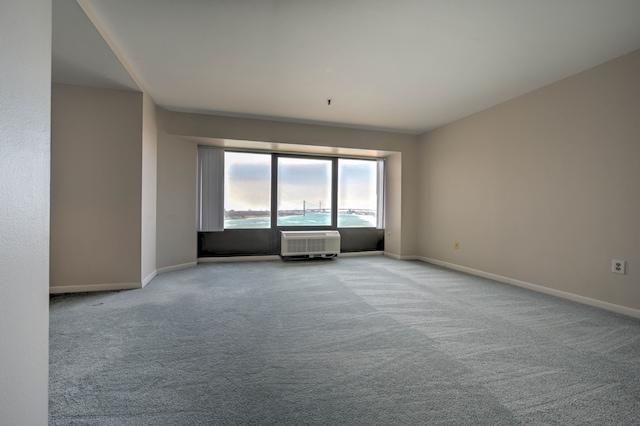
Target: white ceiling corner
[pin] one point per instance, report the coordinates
(405, 66)
(80, 54)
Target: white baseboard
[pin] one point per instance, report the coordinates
(409, 257)
(580, 299)
(471, 271)
(392, 255)
(177, 267)
(93, 287)
(236, 259)
(541, 289)
(149, 277)
(361, 253)
(398, 257)
(85, 288)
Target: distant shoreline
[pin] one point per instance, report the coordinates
(245, 216)
(239, 214)
(260, 215)
(232, 215)
(255, 219)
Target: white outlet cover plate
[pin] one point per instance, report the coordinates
(617, 266)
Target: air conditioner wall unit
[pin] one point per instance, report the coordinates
(310, 243)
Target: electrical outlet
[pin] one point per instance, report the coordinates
(456, 245)
(617, 266)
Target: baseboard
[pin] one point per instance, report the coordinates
(101, 287)
(409, 257)
(398, 257)
(236, 259)
(93, 287)
(361, 253)
(635, 313)
(580, 299)
(149, 277)
(177, 267)
(471, 271)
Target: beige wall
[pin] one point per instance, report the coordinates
(179, 153)
(208, 126)
(149, 188)
(393, 202)
(25, 85)
(177, 180)
(544, 188)
(409, 219)
(96, 188)
(122, 182)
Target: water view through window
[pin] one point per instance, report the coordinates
(304, 191)
(357, 193)
(247, 190)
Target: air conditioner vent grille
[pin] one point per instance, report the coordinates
(296, 246)
(316, 245)
(311, 243)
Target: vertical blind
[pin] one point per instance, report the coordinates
(211, 188)
(381, 191)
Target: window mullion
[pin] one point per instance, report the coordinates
(274, 191)
(334, 193)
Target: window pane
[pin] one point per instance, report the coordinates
(304, 192)
(247, 190)
(357, 198)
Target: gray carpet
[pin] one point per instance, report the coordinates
(351, 341)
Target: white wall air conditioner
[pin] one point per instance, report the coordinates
(310, 243)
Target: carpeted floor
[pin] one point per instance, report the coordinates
(351, 341)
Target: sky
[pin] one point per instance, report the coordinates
(248, 182)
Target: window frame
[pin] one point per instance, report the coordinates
(333, 186)
(270, 186)
(379, 190)
(334, 191)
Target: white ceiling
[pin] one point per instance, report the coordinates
(403, 65)
(80, 54)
